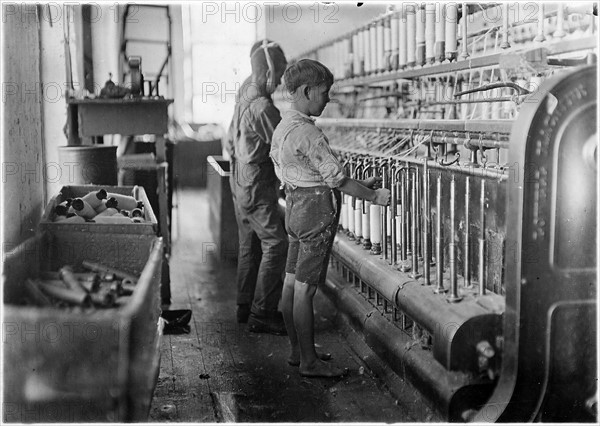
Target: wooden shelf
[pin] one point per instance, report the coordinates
(120, 101)
(134, 116)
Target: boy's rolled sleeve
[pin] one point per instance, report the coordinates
(325, 161)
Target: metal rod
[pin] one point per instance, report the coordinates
(414, 223)
(366, 207)
(419, 213)
(424, 125)
(453, 297)
(496, 174)
(426, 223)
(439, 249)
(467, 254)
(393, 196)
(404, 264)
(482, 241)
(384, 183)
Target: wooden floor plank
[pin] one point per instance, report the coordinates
(222, 372)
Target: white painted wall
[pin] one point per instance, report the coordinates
(299, 26)
(106, 30)
(22, 145)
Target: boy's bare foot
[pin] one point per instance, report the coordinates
(294, 358)
(320, 369)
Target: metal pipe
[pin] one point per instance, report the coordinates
(419, 214)
(384, 243)
(482, 240)
(467, 253)
(414, 222)
(426, 224)
(439, 248)
(404, 264)
(453, 297)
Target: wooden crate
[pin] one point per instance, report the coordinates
(71, 365)
(222, 222)
(121, 245)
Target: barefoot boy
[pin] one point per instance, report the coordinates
(313, 177)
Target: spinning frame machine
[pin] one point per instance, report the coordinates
(478, 282)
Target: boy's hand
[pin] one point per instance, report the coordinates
(382, 196)
(373, 182)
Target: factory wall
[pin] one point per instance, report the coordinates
(299, 27)
(23, 148)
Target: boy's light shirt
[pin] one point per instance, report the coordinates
(301, 153)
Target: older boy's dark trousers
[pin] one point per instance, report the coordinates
(262, 249)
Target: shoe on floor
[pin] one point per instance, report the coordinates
(243, 312)
(266, 325)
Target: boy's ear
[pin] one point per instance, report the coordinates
(306, 91)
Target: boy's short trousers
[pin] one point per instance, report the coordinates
(311, 217)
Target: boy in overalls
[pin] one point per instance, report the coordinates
(262, 238)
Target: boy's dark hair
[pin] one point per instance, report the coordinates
(260, 63)
(309, 72)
